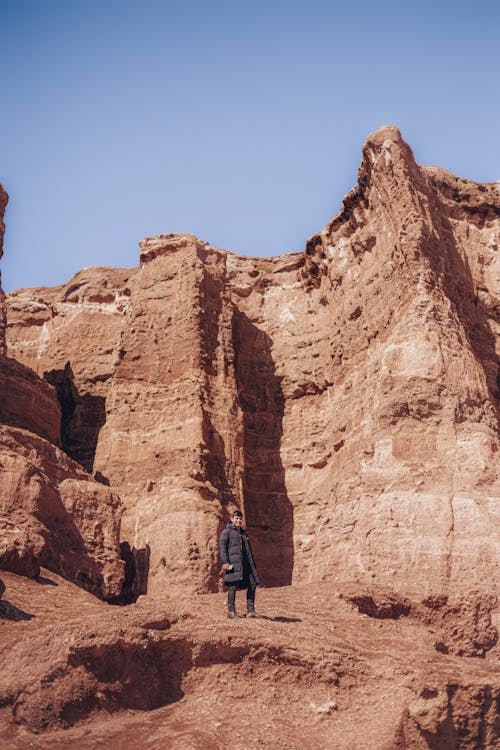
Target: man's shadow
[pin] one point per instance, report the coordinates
(281, 618)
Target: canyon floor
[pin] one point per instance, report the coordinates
(313, 671)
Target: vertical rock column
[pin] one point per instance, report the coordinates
(168, 431)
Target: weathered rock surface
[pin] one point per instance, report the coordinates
(28, 401)
(345, 398)
(56, 515)
(162, 673)
(17, 550)
(463, 626)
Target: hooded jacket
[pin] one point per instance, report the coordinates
(233, 543)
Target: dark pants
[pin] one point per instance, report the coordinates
(249, 585)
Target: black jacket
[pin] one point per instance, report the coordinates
(231, 551)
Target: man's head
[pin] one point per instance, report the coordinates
(237, 518)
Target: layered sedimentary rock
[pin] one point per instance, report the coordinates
(52, 512)
(345, 398)
(28, 402)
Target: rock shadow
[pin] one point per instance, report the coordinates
(82, 417)
(9, 611)
(64, 550)
(135, 583)
(44, 581)
(458, 285)
(267, 508)
(124, 675)
(216, 461)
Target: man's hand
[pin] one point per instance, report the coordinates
(225, 566)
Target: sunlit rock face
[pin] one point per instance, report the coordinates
(346, 397)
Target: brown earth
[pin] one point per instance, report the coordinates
(346, 399)
(175, 673)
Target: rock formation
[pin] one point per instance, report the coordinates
(345, 398)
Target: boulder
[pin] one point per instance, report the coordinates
(18, 552)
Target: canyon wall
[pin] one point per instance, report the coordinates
(346, 398)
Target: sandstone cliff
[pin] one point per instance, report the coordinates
(345, 397)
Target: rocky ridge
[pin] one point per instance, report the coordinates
(345, 398)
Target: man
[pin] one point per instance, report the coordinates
(238, 564)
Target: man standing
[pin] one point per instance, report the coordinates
(238, 564)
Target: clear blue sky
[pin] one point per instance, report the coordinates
(241, 122)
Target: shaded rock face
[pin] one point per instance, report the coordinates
(17, 551)
(346, 398)
(28, 402)
(52, 513)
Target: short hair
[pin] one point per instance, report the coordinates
(237, 513)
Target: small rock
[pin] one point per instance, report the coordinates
(325, 708)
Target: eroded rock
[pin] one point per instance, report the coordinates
(451, 715)
(345, 397)
(164, 671)
(27, 401)
(3, 318)
(464, 625)
(60, 517)
(18, 552)
(381, 605)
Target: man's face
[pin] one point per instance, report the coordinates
(237, 521)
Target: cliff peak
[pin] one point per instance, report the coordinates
(161, 244)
